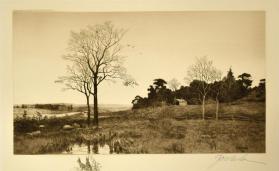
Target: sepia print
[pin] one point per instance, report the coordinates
(139, 82)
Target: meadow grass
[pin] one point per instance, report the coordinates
(157, 130)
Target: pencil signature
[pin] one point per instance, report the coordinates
(235, 158)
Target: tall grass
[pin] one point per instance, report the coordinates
(154, 130)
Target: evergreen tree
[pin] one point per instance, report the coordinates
(229, 85)
(244, 85)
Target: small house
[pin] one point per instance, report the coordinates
(181, 102)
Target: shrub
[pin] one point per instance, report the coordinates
(25, 125)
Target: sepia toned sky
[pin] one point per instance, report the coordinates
(161, 45)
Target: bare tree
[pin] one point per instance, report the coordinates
(78, 79)
(203, 71)
(98, 48)
(217, 89)
(173, 84)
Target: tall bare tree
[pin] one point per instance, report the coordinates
(98, 48)
(173, 84)
(78, 79)
(217, 90)
(203, 71)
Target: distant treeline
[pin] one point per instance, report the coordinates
(61, 107)
(228, 89)
(54, 106)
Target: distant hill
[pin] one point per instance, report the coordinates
(113, 107)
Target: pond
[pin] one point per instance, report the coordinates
(88, 149)
(95, 147)
(99, 144)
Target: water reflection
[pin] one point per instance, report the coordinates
(100, 144)
(88, 148)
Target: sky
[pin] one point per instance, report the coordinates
(161, 45)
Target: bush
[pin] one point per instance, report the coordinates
(25, 125)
